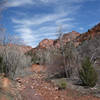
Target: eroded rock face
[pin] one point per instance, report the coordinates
(46, 43)
(21, 47)
(70, 36)
(77, 37)
(66, 38)
(25, 48)
(90, 34)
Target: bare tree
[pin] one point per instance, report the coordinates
(1, 28)
(14, 61)
(6, 38)
(69, 53)
(90, 48)
(44, 56)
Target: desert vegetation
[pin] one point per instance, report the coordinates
(68, 60)
(13, 61)
(67, 63)
(12, 58)
(88, 74)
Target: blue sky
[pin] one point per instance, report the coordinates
(34, 20)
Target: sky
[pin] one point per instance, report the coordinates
(35, 20)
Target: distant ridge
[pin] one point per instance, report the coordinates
(77, 37)
(90, 34)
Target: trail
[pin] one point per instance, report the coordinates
(34, 87)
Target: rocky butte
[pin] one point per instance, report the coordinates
(74, 36)
(23, 48)
(90, 34)
(46, 43)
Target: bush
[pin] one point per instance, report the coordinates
(35, 58)
(88, 74)
(1, 65)
(13, 61)
(60, 83)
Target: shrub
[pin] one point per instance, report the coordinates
(13, 61)
(88, 74)
(60, 83)
(35, 58)
(1, 65)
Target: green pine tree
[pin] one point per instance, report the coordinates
(88, 74)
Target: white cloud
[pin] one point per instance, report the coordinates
(38, 19)
(25, 27)
(64, 1)
(34, 28)
(49, 1)
(26, 35)
(17, 3)
(81, 28)
(20, 3)
(61, 21)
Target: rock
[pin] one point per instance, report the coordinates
(46, 43)
(90, 34)
(66, 38)
(21, 47)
